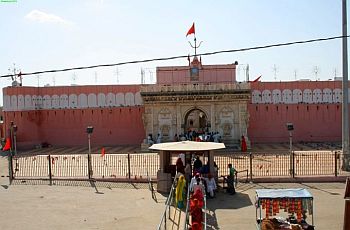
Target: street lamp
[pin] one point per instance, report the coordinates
(89, 131)
(290, 128)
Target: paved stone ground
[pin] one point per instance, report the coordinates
(82, 205)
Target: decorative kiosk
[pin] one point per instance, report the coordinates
(170, 152)
(295, 203)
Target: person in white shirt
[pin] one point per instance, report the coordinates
(198, 185)
(211, 185)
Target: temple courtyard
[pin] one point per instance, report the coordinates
(103, 205)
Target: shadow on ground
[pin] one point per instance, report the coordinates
(224, 200)
(84, 183)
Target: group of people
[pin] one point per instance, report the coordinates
(199, 185)
(198, 136)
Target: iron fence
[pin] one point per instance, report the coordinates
(110, 166)
(141, 166)
(299, 163)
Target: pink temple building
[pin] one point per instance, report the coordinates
(200, 98)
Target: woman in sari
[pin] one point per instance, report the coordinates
(180, 192)
(196, 213)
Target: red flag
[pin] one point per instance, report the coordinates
(256, 80)
(103, 152)
(191, 30)
(7, 145)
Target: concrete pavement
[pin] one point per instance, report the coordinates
(82, 205)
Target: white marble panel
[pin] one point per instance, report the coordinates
(92, 101)
(120, 100)
(297, 96)
(266, 96)
(287, 96)
(327, 96)
(14, 103)
(110, 100)
(317, 96)
(28, 104)
(337, 95)
(129, 99)
(73, 101)
(55, 99)
(47, 102)
(82, 101)
(276, 96)
(256, 97)
(7, 103)
(20, 102)
(307, 96)
(35, 101)
(63, 101)
(39, 102)
(101, 100)
(138, 99)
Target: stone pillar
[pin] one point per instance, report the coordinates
(244, 119)
(212, 117)
(152, 122)
(178, 120)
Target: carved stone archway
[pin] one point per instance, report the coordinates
(195, 120)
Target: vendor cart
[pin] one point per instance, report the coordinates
(284, 208)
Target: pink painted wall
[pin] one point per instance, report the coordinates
(207, 74)
(67, 127)
(121, 125)
(114, 126)
(313, 122)
(267, 123)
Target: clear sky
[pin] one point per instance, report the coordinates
(42, 35)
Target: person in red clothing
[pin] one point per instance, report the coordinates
(196, 213)
(243, 144)
(180, 166)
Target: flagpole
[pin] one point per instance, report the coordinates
(195, 45)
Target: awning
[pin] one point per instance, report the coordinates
(187, 146)
(283, 193)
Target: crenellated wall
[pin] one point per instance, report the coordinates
(60, 115)
(71, 97)
(313, 107)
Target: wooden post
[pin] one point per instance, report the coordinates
(335, 163)
(129, 167)
(346, 225)
(50, 174)
(10, 168)
(251, 166)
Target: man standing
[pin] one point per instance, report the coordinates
(230, 180)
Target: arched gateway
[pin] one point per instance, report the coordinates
(196, 120)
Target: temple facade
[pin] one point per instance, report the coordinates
(194, 98)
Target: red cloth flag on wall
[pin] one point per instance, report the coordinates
(256, 80)
(103, 152)
(191, 30)
(7, 145)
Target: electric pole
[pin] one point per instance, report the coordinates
(345, 107)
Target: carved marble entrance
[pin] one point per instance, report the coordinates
(177, 109)
(196, 120)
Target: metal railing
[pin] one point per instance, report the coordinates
(168, 204)
(187, 212)
(300, 163)
(109, 167)
(138, 167)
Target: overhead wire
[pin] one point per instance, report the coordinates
(177, 57)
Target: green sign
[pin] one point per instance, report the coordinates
(8, 0)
